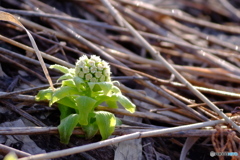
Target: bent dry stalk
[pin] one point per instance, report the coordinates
(83, 89)
(4, 16)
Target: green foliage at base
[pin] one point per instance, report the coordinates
(77, 100)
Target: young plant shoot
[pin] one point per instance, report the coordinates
(82, 90)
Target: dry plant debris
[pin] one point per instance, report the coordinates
(200, 39)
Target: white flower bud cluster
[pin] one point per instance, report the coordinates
(93, 69)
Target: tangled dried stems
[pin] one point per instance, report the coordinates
(225, 141)
(209, 63)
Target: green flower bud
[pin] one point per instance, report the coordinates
(85, 69)
(92, 69)
(97, 59)
(102, 79)
(82, 64)
(106, 72)
(100, 66)
(81, 74)
(94, 80)
(98, 74)
(91, 63)
(88, 76)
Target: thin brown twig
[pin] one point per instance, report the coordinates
(7, 94)
(179, 85)
(120, 130)
(23, 113)
(27, 48)
(180, 15)
(158, 30)
(231, 9)
(23, 67)
(6, 149)
(119, 139)
(157, 56)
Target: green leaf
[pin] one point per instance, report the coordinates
(68, 102)
(45, 94)
(126, 103)
(80, 83)
(118, 122)
(71, 71)
(63, 92)
(68, 82)
(106, 122)
(104, 86)
(111, 101)
(60, 68)
(65, 111)
(112, 104)
(65, 76)
(116, 90)
(85, 106)
(66, 127)
(90, 130)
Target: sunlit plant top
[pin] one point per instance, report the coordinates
(93, 69)
(82, 90)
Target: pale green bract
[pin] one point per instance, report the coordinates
(83, 89)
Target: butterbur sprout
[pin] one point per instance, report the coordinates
(92, 69)
(84, 88)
